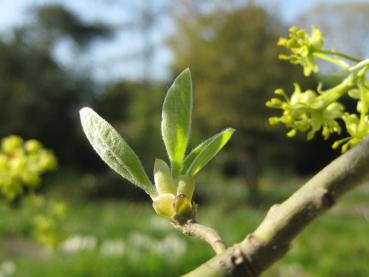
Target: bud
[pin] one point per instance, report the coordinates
(163, 205)
(279, 91)
(31, 179)
(11, 143)
(183, 208)
(273, 120)
(292, 133)
(336, 144)
(32, 146)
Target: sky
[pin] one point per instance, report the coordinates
(119, 57)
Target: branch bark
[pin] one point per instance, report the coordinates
(283, 222)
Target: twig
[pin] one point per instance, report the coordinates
(272, 239)
(204, 233)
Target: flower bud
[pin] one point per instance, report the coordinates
(183, 208)
(32, 146)
(163, 205)
(11, 143)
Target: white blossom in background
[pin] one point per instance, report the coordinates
(7, 268)
(79, 243)
(139, 244)
(171, 246)
(159, 224)
(112, 247)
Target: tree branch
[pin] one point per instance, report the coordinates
(204, 233)
(283, 222)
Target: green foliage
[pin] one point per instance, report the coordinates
(204, 152)
(311, 111)
(57, 22)
(39, 97)
(172, 197)
(232, 53)
(321, 250)
(48, 218)
(22, 163)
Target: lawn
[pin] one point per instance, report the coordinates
(112, 238)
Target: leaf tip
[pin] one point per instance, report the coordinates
(186, 72)
(232, 130)
(84, 113)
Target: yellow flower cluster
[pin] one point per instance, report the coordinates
(311, 111)
(21, 165)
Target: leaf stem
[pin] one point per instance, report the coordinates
(338, 62)
(338, 54)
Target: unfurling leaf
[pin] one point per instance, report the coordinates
(203, 153)
(186, 186)
(112, 148)
(163, 179)
(176, 119)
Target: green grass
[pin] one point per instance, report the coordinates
(334, 245)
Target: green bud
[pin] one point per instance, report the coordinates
(282, 41)
(279, 91)
(32, 146)
(163, 205)
(292, 133)
(30, 179)
(18, 163)
(11, 188)
(183, 208)
(11, 144)
(273, 120)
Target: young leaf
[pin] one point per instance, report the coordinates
(112, 148)
(204, 152)
(176, 119)
(164, 182)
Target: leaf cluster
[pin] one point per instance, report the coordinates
(174, 183)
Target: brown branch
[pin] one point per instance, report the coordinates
(272, 239)
(204, 233)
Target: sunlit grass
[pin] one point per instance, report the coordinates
(335, 245)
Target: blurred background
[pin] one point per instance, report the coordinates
(119, 57)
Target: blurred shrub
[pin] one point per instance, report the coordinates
(48, 217)
(22, 163)
(22, 166)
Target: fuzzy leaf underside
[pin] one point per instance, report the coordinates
(176, 119)
(205, 151)
(113, 150)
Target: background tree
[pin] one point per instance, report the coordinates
(38, 98)
(232, 54)
(345, 26)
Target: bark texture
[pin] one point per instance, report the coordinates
(283, 222)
